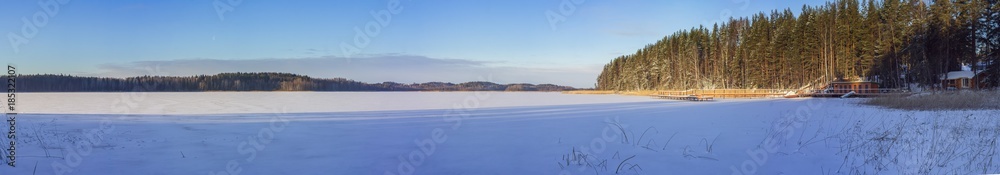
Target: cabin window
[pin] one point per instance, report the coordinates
(965, 82)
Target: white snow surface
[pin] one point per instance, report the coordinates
(291, 102)
(967, 74)
(385, 133)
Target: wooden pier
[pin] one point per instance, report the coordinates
(711, 94)
(687, 97)
(859, 93)
(730, 93)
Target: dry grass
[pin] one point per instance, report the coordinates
(591, 92)
(957, 100)
(940, 142)
(596, 92)
(639, 93)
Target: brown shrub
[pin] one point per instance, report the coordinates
(956, 100)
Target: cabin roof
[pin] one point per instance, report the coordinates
(953, 75)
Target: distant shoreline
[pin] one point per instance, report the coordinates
(111, 92)
(262, 81)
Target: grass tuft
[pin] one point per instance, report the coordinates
(941, 101)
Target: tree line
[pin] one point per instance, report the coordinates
(896, 43)
(240, 81)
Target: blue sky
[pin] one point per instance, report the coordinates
(509, 41)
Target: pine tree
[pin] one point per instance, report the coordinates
(893, 42)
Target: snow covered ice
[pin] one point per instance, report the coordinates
(488, 133)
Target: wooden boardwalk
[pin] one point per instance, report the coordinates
(863, 94)
(687, 97)
(730, 93)
(711, 94)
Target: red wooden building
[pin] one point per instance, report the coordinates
(959, 80)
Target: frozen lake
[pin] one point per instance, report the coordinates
(292, 102)
(486, 133)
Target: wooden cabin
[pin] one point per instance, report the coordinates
(844, 87)
(961, 80)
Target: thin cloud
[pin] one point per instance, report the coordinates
(396, 68)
